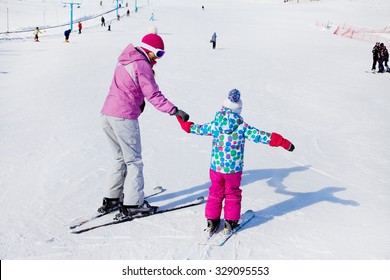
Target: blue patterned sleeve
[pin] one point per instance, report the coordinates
(256, 135)
(201, 129)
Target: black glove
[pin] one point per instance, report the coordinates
(143, 106)
(181, 114)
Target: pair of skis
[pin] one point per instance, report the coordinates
(81, 221)
(377, 72)
(216, 238)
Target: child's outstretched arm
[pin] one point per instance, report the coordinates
(197, 129)
(273, 139)
(278, 141)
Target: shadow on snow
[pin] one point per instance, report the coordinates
(275, 178)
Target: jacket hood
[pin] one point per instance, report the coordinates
(227, 121)
(131, 54)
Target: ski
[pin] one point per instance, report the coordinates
(81, 221)
(195, 202)
(221, 238)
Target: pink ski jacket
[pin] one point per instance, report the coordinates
(133, 82)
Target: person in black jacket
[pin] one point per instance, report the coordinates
(382, 57)
(67, 33)
(386, 58)
(375, 55)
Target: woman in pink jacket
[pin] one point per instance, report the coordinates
(133, 82)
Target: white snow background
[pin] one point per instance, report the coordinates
(328, 200)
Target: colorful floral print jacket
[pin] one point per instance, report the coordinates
(229, 132)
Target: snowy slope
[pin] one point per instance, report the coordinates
(329, 199)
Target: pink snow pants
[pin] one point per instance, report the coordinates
(224, 187)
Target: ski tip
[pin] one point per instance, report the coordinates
(249, 213)
(159, 189)
(76, 223)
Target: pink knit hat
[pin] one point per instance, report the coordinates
(152, 43)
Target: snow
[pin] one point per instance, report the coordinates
(328, 200)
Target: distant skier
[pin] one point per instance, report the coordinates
(128, 12)
(386, 58)
(375, 55)
(382, 57)
(103, 21)
(67, 34)
(80, 26)
(151, 17)
(36, 32)
(214, 40)
(229, 132)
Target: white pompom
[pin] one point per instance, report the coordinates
(153, 30)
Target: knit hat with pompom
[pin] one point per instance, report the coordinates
(233, 101)
(152, 41)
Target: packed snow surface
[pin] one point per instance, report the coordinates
(329, 199)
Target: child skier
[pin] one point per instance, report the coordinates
(229, 131)
(36, 33)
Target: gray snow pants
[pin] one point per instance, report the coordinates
(126, 177)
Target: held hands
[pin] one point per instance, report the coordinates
(181, 114)
(186, 126)
(277, 140)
